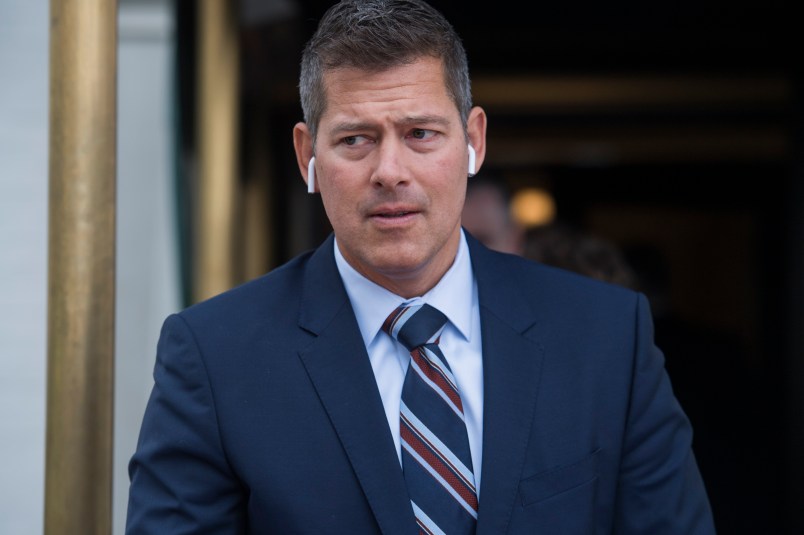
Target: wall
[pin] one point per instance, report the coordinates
(23, 262)
(147, 263)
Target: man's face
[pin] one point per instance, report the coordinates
(391, 167)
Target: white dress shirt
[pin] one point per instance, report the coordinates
(456, 296)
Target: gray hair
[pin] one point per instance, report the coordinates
(375, 35)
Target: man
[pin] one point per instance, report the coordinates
(288, 405)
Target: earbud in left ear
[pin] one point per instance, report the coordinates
(311, 176)
(472, 157)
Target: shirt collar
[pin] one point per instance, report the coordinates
(453, 295)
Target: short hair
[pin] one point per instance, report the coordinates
(375, 35)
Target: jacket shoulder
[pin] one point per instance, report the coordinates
(271, 295)
(541, 284)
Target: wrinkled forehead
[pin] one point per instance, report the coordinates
(393, 73)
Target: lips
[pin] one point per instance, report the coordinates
(393, 214)
(391, 211)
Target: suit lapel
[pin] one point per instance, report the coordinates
(339, 369)
(512, 361)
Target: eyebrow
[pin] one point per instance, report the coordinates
(406, 121)
(426, 119)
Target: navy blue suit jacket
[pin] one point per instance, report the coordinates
(265, 416)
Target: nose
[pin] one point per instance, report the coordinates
(390, 169)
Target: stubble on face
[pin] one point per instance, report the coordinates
(391, 151)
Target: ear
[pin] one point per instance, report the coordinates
(476, 130)
(303, 144)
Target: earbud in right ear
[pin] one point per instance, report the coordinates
(311, 176)
(472, 158)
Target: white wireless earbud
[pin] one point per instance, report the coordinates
(311, 176)
(472, 157)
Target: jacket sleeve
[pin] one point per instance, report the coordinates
(181, 481)
(660, 490)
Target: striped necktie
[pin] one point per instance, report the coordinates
(436, 461)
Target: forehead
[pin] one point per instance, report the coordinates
(416, 87)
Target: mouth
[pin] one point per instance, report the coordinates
(392, 215)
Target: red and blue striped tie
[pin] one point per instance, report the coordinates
(436, 460)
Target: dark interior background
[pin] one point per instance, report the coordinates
(669, 128)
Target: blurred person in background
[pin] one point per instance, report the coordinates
(487, 216)
(563, 246)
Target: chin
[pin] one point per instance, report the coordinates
(399, 266)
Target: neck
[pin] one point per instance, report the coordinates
(409, 283)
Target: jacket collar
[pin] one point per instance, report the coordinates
(512, 363)
(339, 368)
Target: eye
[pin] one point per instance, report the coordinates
(352, 141)
(421, 133)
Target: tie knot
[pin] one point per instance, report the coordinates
(414, 325)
